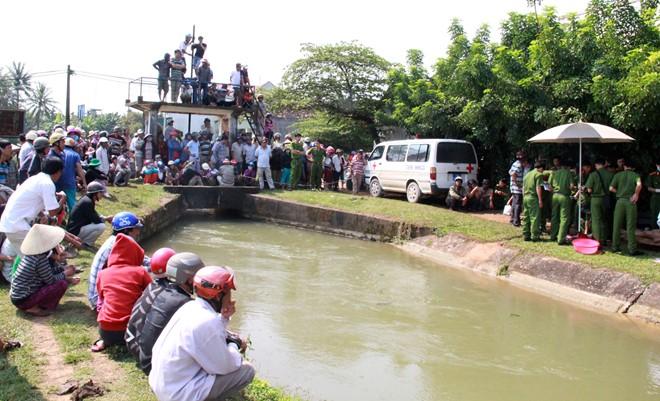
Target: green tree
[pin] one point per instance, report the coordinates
(5, 89)
(344, 80)
(338, 132)
(21, 81)
(41, 106)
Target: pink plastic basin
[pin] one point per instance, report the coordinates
(586, 246)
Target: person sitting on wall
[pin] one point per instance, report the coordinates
(250, 175)
(457, 197)
(193, 358)
(190, 176)
(209, 175)
(85, 222)
(226, 175)
(36, 289)
(118, 287)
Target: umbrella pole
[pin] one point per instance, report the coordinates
(579, 199)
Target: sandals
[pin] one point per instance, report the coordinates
(98, 346)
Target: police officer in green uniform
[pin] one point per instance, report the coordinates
(317, 154)
(533, 202)
(653, 185)
(562, 182)
(626, 184)
(296, 161)
(597, 185)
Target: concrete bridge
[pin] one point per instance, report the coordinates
(219, 198)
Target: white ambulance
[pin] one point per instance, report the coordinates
(419, 167)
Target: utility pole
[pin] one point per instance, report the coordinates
(192, 56)
(192, 67)
(67, 117)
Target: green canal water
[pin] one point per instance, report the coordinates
(339, 319)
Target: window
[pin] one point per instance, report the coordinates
(377, 153)
(396, 153)
(418, 153)
(455, 152)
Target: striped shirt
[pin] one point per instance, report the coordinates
(99, 262)
(516, 186)
(357, 166)
(33, 273)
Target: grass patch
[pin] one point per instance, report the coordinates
(445, 221)
(141, 200)
(260, 390)
(19, 368)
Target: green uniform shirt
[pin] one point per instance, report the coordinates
(295, 158)
(317, 156)
(531, 181)
(594, 183)
(561, 181)
(653, 181)
(625, 183)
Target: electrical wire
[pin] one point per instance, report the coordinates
(77, 74)
(103, 75)
(34, 74)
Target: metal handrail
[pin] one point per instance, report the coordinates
(141, 82)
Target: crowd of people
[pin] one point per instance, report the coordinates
(200, 88)
(536, 195)
(608, 196)
(167, 309)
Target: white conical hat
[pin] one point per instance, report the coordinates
(41, 238)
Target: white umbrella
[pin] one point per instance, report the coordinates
(579, 133)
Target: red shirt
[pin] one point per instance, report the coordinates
(121, 284)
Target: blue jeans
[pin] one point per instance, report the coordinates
(286, 174)
(196, 61)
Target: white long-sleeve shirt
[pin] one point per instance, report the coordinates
(190, 352)
(102, 155)
(23, 154)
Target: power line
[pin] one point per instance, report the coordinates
(104, 75)
(47, 72)
(99, 78)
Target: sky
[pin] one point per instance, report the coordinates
(123, 39)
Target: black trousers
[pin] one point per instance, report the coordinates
(112, 337)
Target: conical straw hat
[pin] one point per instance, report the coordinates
(41, 238)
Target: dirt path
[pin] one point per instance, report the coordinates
(54, 371)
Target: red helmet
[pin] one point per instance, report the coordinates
(159, 260)
(210, 281)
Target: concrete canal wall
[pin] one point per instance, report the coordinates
(599, 289)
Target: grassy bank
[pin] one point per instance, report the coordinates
(19, 368)
(444, 221)
(74, 328)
